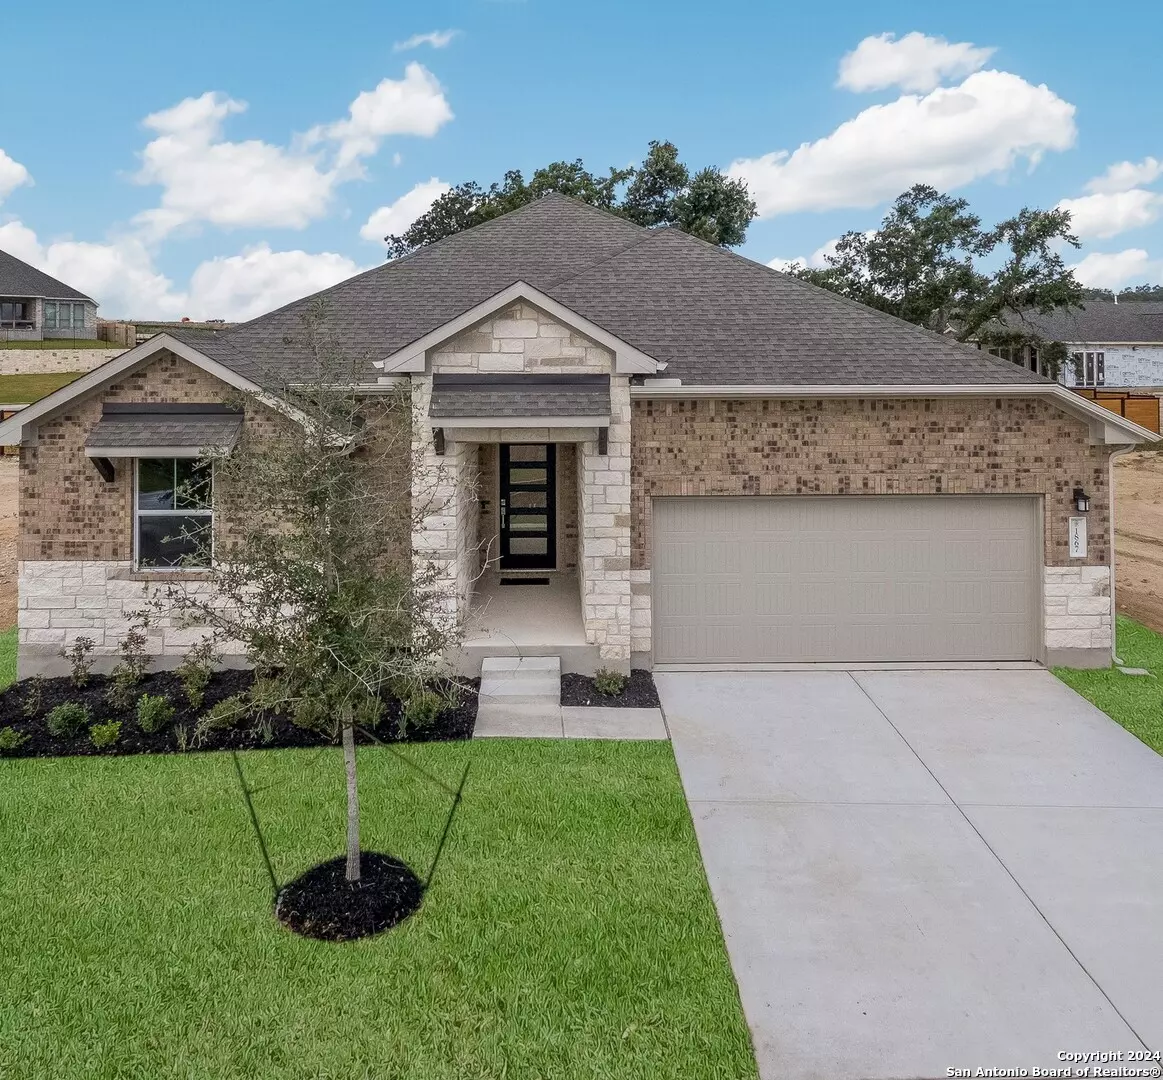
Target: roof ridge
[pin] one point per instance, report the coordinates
(390, 264)
(636, 242)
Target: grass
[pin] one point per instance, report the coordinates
(568, 933)
(59, 343)
(7, 657)
(22, 389)
(1135, 701)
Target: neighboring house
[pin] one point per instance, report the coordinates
(1107, 344)
(34, 306)
(689, 458)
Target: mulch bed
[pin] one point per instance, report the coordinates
(260, 732)
(324, 905)
(638, 693)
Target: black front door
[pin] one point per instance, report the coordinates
(528, 506)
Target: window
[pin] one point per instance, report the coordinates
(13, 312)
(1091, 370)
(62, 315)
(173, 519)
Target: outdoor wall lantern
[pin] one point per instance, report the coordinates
(438, 441)
(1081, 501)
(603, 441)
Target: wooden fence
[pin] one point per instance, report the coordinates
(1141, 409)
(117, 333)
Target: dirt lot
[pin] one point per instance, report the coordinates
(1139, 537)
(7, 542)
(1138, 543)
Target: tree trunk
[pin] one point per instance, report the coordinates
(352, 796)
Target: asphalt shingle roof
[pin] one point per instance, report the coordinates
(1097, 322)
(712, 316)
(185, 429)
(19, 279)
(529, 395)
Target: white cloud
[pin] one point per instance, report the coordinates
(229, 184)
(1112, 270)
(1125, 175)
(1104, 215)
(259, 280)
(818, 260)
(207, 178)
(396, 217)
(414, 105)
(121, 276)
(947, 138)
(12, 175)
(914, 62)
(438, 39)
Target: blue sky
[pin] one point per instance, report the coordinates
(221, 159)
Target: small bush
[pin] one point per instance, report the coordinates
(154, 712)
(11, 739)
(609, 683)
(422, 709)
(102, 735)
(33, 697)
(222, 716)
(182, 738)
(80, 658)
(68, 719)
(309, 714)
(195, 671)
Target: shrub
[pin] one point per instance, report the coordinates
(131, 668)
(182, 737)
(80, 658)
(11, 739)
(102, 735)
(154, 712)
(422, 709)
(609, 683)
(222, 716)
(309, 714)
(68, 719)
(33, 697)
(195, 671)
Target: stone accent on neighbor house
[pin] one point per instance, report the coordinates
(1077, 606)
(521, 338)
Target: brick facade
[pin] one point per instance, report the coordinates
(944, 446)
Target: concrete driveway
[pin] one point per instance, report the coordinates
(924, 870)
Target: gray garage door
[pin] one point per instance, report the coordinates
(820, 578)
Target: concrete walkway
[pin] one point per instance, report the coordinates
(924, 870)
(497, 720)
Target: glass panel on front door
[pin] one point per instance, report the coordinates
(528, 506)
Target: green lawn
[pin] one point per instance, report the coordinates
(60, 343)
(569, 932)
(22, 389)
(1135, 701)
(7, 657)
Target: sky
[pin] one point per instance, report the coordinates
(219, 160)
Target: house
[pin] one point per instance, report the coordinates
(655, 452)
(34, 305)
(1107, 344)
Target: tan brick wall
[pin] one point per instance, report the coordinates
(853, 447)
(521, 338)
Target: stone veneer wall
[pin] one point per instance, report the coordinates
(48, 360)
(523, 338)
(520, 338)
(894, 447)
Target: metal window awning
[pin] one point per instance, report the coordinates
(520, 400)
(162, 430)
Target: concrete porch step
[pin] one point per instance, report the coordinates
(521, 680)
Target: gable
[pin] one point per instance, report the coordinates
(521, 338)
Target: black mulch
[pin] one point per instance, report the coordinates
(639, 692)
(323, 904)
(261, 732)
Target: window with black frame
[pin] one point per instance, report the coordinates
(173, 513)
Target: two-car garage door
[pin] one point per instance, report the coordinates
(783, 579)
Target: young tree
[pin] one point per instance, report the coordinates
(314, 575)
(932, 263)
(659, 192)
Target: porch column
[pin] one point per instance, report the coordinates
(604, 533)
